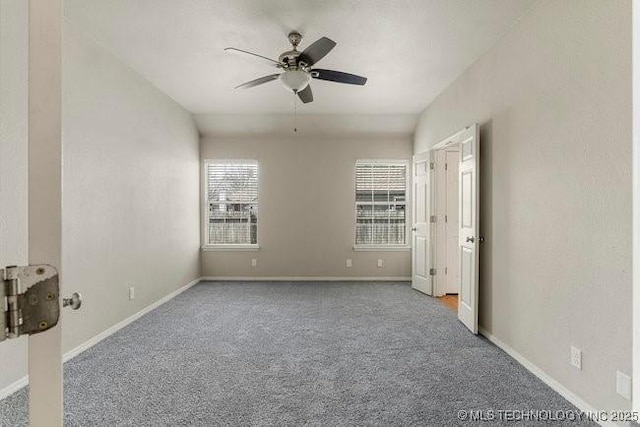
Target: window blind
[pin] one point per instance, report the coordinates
(381, 203)
(232, 191)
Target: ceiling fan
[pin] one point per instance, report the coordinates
(297, 69)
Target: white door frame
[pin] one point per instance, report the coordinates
(438, 286)
(468, 314)
(45, 198)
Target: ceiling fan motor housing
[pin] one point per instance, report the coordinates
(289, 58)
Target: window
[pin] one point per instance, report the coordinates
(381, 201)
(232, 203)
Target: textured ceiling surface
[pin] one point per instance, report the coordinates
(410, 50)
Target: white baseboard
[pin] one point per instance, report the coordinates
(543, 376)
(115, 328)
(305, 279)
(15, 386)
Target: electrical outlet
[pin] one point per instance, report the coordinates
(380, 263)
(254, 262)
(623, 385)
(132, 293)
(349, 263)
(576, 357)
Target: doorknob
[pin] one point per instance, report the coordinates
(471, 239)
(414, 228)
(75, 302)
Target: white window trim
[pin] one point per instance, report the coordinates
(230, 248)
(381, 248)
(205, 209)
(386, 247)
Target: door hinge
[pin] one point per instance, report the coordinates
(446, 166)
(432, 272)
(446, 218)
(431, 165)
(432, 218)
(446, 269)
(34, 310)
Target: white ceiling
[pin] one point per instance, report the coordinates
(410, 50)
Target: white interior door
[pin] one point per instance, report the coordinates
(30, 86)
(421, 265)
(468, 220)
(452, 278)
(45, 198)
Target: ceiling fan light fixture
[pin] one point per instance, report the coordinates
(295, 80)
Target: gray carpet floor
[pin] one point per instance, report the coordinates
(291, 354)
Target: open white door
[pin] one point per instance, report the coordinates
(421, 265)
(468, 220)
(45, 198)
(30, 75)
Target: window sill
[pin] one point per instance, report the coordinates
(380, 248)
(230, 248)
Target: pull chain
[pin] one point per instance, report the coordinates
(295, 111)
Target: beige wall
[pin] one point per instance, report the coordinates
(131, 199)
(553, 99)
(130, 192)
(13, 163)
(307, 206)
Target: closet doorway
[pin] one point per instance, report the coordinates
(446, 220)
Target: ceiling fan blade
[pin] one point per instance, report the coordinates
(316, 51)
(338, 76)
(259, 81)
(305, 94)
(251, 55)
